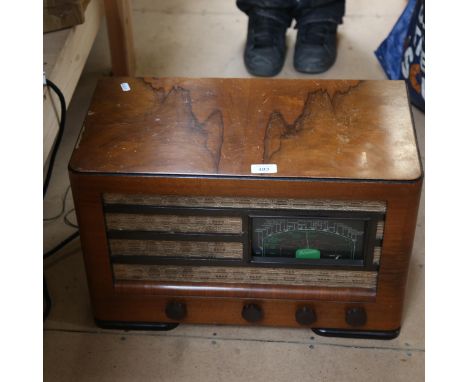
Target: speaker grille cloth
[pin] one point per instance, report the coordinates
(241, 202)
(190, 249)
(247, 275)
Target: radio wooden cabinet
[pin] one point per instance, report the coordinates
(248, 201)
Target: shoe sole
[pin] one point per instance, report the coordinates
(316, 70)
(261, 74)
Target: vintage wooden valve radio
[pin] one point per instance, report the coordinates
(238, 201)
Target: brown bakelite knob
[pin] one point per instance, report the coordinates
(176, 310)
(305, 315)
(252, 312)
(356, 316)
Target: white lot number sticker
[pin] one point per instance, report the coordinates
(125, 86)
(263, 169)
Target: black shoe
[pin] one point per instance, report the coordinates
(315, 47)
(265, 49)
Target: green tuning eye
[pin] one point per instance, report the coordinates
(307, 253)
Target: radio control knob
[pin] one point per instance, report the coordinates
(305, 315)
(356, 316)
(252, 312)
(176, 310)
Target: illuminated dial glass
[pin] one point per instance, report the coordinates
(308, 238)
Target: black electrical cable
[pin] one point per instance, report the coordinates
(67, 221)
(62, 210)
(47, 301)
(63, 109)
(63, 112)
(61, 245)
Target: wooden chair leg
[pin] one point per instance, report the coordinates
(120, 31)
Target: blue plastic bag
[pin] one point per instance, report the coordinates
(401, 54)
(413, 61)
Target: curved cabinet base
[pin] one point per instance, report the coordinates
(365, 334)
(122, 325)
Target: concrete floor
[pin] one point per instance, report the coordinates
(205, 39)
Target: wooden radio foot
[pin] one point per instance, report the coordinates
(365, 334)
(122, 325)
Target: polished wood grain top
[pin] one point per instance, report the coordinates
(308, 128)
